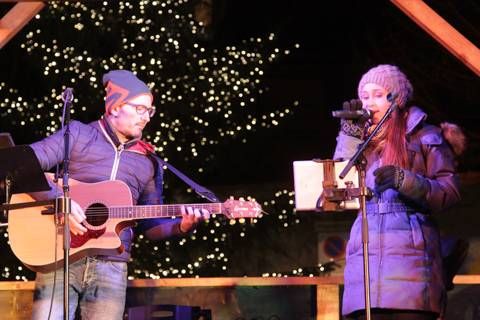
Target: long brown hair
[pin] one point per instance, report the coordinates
(391, 141)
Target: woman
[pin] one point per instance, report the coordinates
(411, 171)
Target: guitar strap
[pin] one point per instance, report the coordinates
(159, 163)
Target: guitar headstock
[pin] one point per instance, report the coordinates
(235, 209)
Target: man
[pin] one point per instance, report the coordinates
(107, 149)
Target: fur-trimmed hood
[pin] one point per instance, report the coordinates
(455, 137)
(452, 133)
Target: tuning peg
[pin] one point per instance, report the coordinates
(231, 197)
(241, 199)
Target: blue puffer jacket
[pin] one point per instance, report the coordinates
(97, 155)
(404, 248)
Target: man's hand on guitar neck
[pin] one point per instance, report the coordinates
(191, 217)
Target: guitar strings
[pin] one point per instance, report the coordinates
(160, 211)
(100, 213)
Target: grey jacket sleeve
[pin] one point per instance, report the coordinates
(160, 228)
(346, 146)
(50, 150)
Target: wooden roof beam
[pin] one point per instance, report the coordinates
(442, 31)
(16, 18)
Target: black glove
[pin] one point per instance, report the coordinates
(355, 127)
(388, 177)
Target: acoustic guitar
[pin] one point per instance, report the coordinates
(35, 233)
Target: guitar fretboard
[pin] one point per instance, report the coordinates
(159, 211)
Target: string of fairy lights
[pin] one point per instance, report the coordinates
(206, 96)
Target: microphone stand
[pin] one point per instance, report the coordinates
(359, 160)
(64, 203)
(7, 183)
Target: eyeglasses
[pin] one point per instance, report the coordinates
(141, 109)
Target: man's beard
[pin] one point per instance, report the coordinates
(132, 135)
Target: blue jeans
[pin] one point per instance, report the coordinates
(97, 289)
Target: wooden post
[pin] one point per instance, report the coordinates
(15, 19)
(328, 302)
(442, 31)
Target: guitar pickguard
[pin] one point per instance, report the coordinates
(77, 241)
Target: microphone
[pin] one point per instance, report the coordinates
(362, 114)
(67, 98)
(67, 95)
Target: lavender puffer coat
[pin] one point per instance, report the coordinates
(404, 248)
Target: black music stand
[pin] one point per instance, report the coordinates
(20, 172)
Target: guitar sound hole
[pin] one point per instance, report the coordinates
(97, 214)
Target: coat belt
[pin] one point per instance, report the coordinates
(387, 207)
